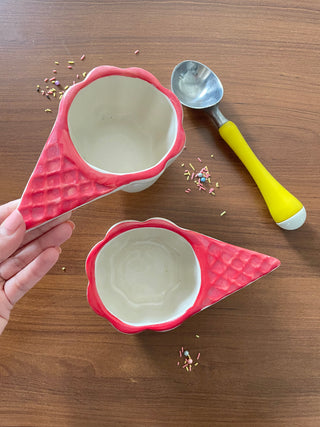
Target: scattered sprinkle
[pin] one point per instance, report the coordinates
(84, 74)
(56, 62)
(47, 110)
(211, 155)
(188, 362)
(78, 77)
(198, 158)
(82, 57)
(191, 166)
(66, 87)
(217, 184)
(223, 213)
(71, 62)
(46, 80)
(197, 336)
(70, 67)
(57, 83)
(54, 71)
(64, 269)
(136, 52)
(182, 164)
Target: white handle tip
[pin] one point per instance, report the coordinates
(294, 222)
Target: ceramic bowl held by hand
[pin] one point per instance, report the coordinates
(117, 130)
(154, 274)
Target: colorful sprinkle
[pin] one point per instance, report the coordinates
(82, 57)
(191, 166)
(197, 336)
(84, 74)
(70, 67)
(223, 213)
(46, 79)
(136, 52)
(57, 83)
(54, 71)
(47, 110)
(198, 356)
(71, 62)
(198, 158)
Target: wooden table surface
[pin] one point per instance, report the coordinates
(60, 363)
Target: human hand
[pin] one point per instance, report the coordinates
(25, 257)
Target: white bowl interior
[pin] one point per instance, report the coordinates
(147, 276)
(122, 124)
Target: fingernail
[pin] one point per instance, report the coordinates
(59, 249)
(73, 225)
(11, 224)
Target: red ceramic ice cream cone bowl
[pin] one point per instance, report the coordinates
(155, 274)
(117, 130)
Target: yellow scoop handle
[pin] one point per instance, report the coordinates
(287, 211)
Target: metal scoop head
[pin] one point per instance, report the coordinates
(196, 85)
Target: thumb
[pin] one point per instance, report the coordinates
(12, 231)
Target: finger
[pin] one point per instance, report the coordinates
(7, 209)
(22, 282)
(34, 234)
(12, 231)
(3, 324)
(21, 258)
(5, 309)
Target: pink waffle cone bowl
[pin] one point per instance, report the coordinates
(116, 130)
(155, 274)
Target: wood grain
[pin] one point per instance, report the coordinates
(60, 364)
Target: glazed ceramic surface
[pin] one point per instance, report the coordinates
(117, 130)
(154, 274)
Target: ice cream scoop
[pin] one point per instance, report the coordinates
(198, 87)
